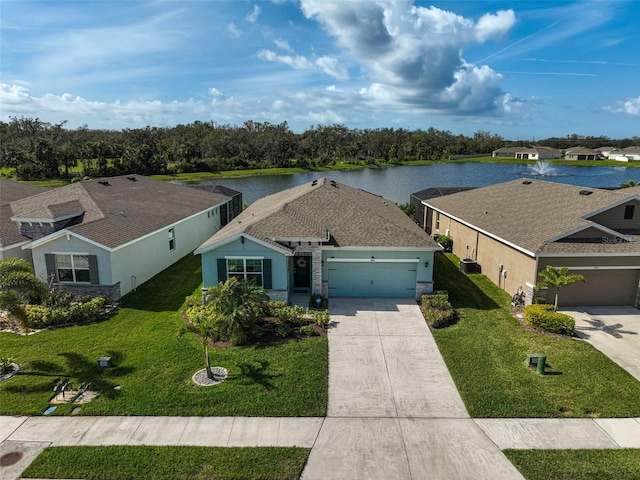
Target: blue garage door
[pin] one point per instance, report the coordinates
(372, 279)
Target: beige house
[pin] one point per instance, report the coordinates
(514, 229)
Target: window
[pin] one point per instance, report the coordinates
(172, 239)
(628, 212)
(73, 268)
(245, 268)
(437, 220)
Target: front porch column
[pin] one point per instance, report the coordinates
(315, 252)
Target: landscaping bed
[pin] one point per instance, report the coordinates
(151, 369)
(486, 352)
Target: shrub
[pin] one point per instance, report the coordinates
(322, 318)
(322, 304)
(5, 363)
(41, 316)
(283, 330)
(539, 300)
(437, 310)
(542, 317)
(307, 330)
(291, 315)
(192, 301)
(274, 307)
(446, 242)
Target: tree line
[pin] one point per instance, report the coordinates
(41, 150)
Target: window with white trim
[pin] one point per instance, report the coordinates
(73, 268)
(246, 269)
(172, 239)
(437, 220)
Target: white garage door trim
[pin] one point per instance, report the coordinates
(375, 260)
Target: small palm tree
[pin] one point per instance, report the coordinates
(18, 286)
(556, 278)
(204, 323)
(240, 304)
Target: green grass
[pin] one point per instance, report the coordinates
(154, 369)
(486, 352)
(577, 464)
(168, 463)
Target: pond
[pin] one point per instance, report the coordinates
(398, 183)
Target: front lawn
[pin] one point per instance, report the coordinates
(577, 464)
(152, 369)
(169, 463)
(486, 352)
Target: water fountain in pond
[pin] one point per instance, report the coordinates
(543, 168)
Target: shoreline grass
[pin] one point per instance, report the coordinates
(169, 463)
(153, 369)
(486, 350)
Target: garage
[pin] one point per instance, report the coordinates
(601, 287)
(380, 278)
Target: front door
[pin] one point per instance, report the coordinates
(301, 273)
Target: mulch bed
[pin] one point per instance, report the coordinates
(268, 326)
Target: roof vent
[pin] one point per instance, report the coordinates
(104, 182)
(133, 179)
(585, 192)
(333, 184)
(527, 182)
(314, 183)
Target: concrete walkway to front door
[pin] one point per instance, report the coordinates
(394, 411)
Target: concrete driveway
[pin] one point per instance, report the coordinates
(615, 331)
(394, 411)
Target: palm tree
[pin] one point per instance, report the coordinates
(556, 278)
(240, 304)
(204, 323)
(19, 285)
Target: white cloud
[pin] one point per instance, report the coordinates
(233, 30)
(252, 17)
(415, 53)
(283, 45)
(631, 106)
(328, 65)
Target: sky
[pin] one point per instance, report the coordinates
(520, 69)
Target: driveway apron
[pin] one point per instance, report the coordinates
(394, 411)
(615, 331)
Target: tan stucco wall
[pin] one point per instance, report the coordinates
(490, 255)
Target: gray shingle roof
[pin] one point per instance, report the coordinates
(11, 191)
(353, 218)
(118, 210)
(529, 213)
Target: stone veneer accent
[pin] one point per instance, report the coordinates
(422, 288)
(530, 293)
(275, 295)
(316, 264)
(112, 292)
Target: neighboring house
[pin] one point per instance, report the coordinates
(527, 153)
(581, 153)
(106, 237)
(11, 240)
(627, 154)
(323, 237)
(605, 151)
(416, 200)
(515, 229)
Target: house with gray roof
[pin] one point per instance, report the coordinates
(11, 240)
(515, 229)
(627, 154)
(323, 237)
(109, 236)
(527, 153)
(581, 153)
